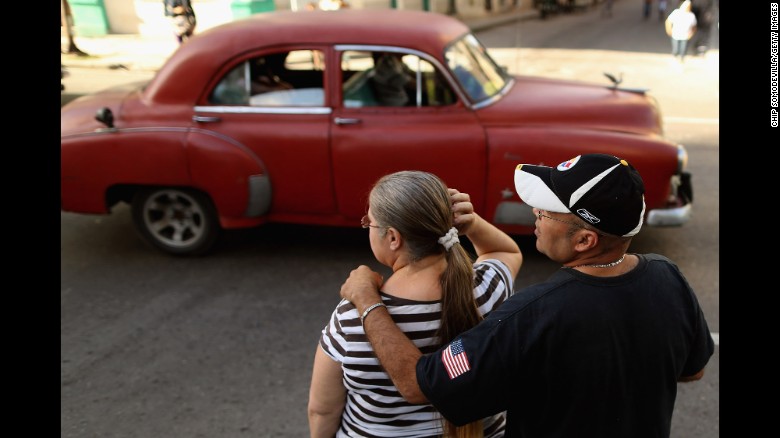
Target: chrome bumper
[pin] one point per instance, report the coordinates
(669, 217)
(682, 194)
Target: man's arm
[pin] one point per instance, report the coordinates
(668, 24)
(692, 378)
(397, 354)
(692, 31)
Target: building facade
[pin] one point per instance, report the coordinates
(146, 17)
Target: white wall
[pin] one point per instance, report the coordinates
(147, 17)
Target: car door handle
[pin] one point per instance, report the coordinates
(205, 119)
(343, 121)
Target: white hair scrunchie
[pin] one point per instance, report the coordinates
(450, 238)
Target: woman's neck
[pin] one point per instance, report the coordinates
(418, 280)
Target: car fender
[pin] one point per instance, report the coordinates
(92, 163)
(541, 145)
(233, 175)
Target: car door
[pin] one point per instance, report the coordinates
(283, 124)
(432, 130)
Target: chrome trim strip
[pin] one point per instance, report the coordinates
(514, 213)
(495, 97)
(263, 110)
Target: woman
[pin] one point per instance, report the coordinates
(434, 293)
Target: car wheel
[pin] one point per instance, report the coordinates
(177, 221)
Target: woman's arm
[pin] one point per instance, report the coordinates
(327, 396)
(489, 242)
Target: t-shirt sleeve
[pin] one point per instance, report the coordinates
(459, 379)
(493, 284)
(333, 339)
(703, 345)
(466, 379)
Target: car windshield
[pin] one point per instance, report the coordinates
(477, 72)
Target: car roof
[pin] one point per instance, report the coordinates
(197, 59)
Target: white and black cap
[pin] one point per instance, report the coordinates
(603, 190)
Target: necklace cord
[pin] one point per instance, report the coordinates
(605, 265)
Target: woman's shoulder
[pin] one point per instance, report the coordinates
(493, 284)
(489, 268)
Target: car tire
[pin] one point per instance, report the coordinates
(178, 221)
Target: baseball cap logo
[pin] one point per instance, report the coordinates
(585, 214)
(566, 165)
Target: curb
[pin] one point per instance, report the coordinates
(498, 20)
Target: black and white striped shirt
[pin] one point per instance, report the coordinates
(374, 406)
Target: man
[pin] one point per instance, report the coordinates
(594, 351)
(266, 71)
(391, 79)
(680, 26)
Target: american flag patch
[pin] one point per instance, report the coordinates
(455, 359)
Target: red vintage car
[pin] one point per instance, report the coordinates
(292, 116)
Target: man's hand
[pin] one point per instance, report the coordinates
(397, 354)
(362, 287)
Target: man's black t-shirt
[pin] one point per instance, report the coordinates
(577, 355)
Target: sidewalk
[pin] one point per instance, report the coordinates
(149, 52)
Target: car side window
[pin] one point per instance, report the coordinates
(391, 79)
(287, 78)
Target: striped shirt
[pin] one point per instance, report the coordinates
(374, 407)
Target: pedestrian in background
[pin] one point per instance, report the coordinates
(661, 10)
(647, 8)
(680, 26)
(705, 16)
(182, 18)
(606, 10)
(596, 350)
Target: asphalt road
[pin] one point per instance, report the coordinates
(221, 346)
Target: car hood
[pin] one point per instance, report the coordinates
(534, 101)
(78, 115)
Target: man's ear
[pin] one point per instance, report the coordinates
(585, 239)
